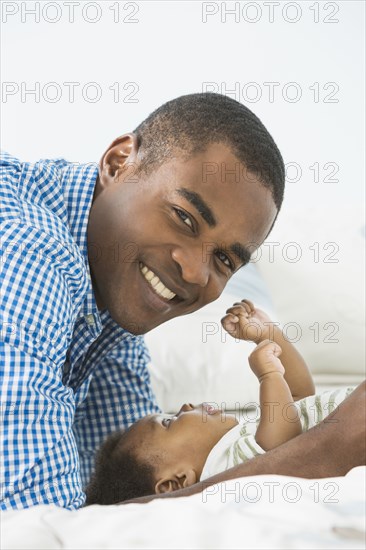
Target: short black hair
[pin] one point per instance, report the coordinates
(119, 473)
(190, 123)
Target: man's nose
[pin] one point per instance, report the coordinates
(185, 408)
(194, 267)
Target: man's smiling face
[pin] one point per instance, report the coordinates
(166, 243)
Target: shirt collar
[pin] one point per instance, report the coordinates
(78, 183)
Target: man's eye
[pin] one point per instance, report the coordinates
(184, 217)
(225, 260)
(166, 422)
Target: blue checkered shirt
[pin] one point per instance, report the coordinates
(69, 374)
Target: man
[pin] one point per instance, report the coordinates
(94, 258)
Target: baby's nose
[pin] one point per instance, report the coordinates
(185, 408)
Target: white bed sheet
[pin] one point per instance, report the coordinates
(252, 512)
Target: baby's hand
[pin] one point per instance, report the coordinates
(245, 322)
(264, 359)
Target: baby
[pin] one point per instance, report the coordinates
(166, 452)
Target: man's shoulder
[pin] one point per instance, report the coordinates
(44, 281)
(43, 289)
(6, 159)
(33, 199)
(27, 186)
(12, 164)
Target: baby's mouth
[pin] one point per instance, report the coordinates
(210, 409)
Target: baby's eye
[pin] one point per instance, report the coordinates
(165, 422)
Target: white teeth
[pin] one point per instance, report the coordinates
(156, 283)
(159, 287)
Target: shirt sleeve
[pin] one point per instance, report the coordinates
(39, 462)
(117, 394)
(41, 280)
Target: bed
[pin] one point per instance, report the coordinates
(253, 512)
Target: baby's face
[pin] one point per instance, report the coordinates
(187, 436)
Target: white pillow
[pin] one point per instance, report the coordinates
(195, 360)
(323, 292)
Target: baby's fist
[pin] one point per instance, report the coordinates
(244, 321)
(264, 359)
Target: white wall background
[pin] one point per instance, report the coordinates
(172, 48)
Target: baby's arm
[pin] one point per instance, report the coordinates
(246, 322)
(279, 421)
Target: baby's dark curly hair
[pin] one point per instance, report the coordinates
(120, 474)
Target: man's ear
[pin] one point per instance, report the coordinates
(121, 152)
(176, 482)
